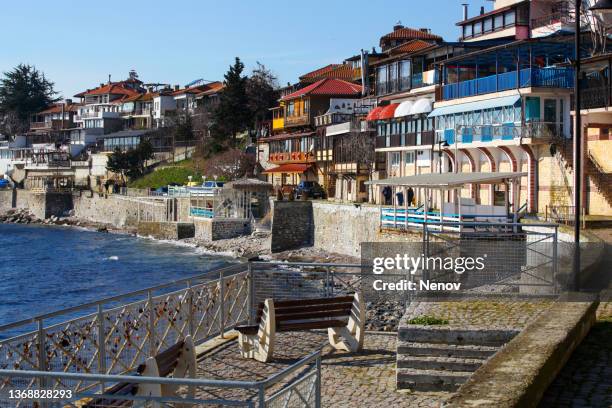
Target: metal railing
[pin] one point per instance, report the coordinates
(298, 385)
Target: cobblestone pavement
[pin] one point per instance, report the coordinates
(586, 379)
(365, 379)
(498, 313)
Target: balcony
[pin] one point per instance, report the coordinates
(596, 97)
(302, 120)
(289, 157)
(528, 77)
(332, 118)
(536, 131)
(425, 138)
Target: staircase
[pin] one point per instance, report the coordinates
(441, 358)
(601, 179)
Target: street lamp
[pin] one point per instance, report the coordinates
(601, 8)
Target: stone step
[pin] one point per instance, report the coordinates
(445, 350)
(430, 380)
(439, 363)
(455, 335)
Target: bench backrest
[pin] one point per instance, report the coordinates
(304, 310)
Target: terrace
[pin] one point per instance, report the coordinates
(523, 64)
(89, 348)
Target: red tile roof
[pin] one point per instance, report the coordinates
(289, 168)
(199, 88)
(213, 88)
(410, 46)
(328, 87)
(406, 33)
(113, 88)
(57, 108)
(338, 71)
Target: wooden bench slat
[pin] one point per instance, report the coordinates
(310, 325)
(308, 302)
(304, 309)
(313, 315)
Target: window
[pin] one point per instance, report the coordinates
(381, 80)
(392, 86)
(467, 31)
(404, 68)
(395, 159)
(498, 22)
(550, 110)
(510, 18)
(478, 28)
(488, 25)
(409, 157)
(290, 109)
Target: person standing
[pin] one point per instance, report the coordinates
(410, 195)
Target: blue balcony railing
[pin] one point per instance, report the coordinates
(536, 77)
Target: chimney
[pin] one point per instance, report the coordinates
(482, 10)
(101, 84)
(109, 78)
(398, 26)
(465, 11)
(177, 87)
(425, 30)
(68, 101)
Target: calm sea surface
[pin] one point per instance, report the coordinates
(47, 268)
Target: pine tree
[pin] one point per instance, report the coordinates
(23, 92)
(232, 115)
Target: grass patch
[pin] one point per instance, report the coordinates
(428, 321)
(166, 176)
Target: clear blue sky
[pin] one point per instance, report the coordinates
(77, 44)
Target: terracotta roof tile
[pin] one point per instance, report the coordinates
(113, 88)
(406, 33)
(410, 46)
(338, 71)
(328, 87)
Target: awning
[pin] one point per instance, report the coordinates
(448, 180)
(289, 168)
(423, 105)
(404, 109)
(388, 112)
(373, 115)
(284, 136)
(474, 106)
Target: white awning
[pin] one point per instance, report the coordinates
(474, 106)
(423, 105)
(403, 109)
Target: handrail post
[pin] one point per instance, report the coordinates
(221, 305)
(251, 300)
(190, 304)
(101, 345)
(327, 283)
(42, 360)
(318, 383)
(151, 324)
(261, 396)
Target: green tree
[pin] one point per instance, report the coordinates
(232, 114)
(131, 163)
(23, 92)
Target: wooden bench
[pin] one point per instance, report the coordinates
(178, 361)
(343, 317)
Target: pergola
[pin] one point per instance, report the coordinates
(442, 182)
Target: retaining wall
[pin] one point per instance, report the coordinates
(166, 230)
(519, 374)
(208, 229)
(292, 225)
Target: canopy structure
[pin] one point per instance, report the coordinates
(448, 180)
(472, 106)
(289, 168)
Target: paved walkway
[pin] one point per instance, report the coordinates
(352, 380)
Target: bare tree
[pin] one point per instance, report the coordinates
(230, 165)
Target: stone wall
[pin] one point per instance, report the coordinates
(118, 210)
(292, 225)
(41, 205)
(166, 230)
(341, 228)
(207, 229)
(6, 199)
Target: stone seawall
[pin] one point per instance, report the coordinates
(6, 199)
(166, 230)
(207, 229)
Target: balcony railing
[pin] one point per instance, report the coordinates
(537, 131)
(425, 138)
(597, 97)
(527, 77)
(291, 157)
(297, 120)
